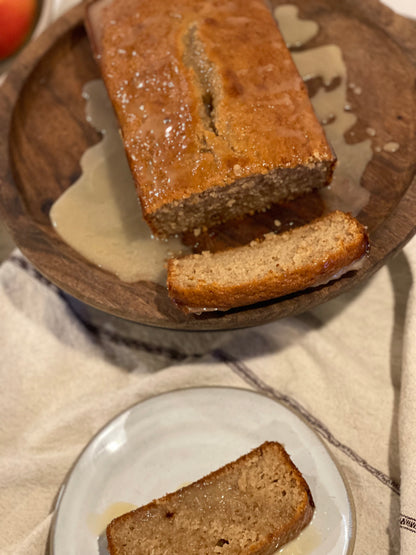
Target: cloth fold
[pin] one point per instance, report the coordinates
(346, 368)
(407, 427)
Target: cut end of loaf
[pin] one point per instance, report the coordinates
(246, 195)
(304, 257)
(252, 506)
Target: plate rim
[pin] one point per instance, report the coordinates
(352, 529)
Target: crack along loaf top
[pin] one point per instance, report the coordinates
(215, 118)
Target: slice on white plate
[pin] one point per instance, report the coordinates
(173, 439)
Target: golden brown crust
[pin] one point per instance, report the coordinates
(209, 292)
(283, 531)
(206, 94)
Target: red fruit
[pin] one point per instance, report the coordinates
(16, 21)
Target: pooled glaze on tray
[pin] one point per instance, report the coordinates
(100, 216)
(331, 107)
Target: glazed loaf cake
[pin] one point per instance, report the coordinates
(280, 264)
(252, 506)
(215, 118)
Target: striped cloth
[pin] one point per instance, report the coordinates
(347, 368)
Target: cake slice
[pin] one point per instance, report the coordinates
(280, 264)
(215, 118)
(252, 506)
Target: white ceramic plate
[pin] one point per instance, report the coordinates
(175, 438)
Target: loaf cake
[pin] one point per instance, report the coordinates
(215, 118)
(278, 265)
(252, 506)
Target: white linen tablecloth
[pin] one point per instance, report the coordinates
(348, 367)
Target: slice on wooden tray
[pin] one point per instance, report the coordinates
(253, 505)
(278, 265)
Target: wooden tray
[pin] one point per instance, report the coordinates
(43, 133)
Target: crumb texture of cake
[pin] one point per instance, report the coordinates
(303, 257)
(252, 506)
(215, 118)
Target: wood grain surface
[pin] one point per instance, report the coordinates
(43, 133)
